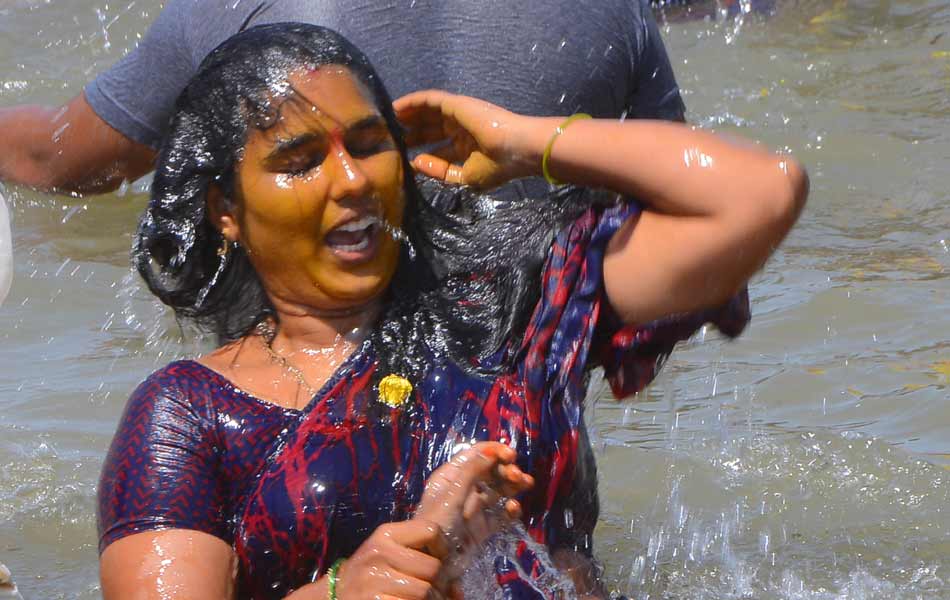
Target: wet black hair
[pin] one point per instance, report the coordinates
(466, 282)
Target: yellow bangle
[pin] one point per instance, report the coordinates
(547, 151)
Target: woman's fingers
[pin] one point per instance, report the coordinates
(433, 115)
(449, 487)
(415, 563)
(481, 514)
(422, 534)
(484, 512)
(513, 509)
(426, 130)
(511, 480)
(421, 99)
(396, 561)
(416, 533)
(400, 585)
(472, 133)
(435, 596)
(404, 560)
(441, 133)
(438, 168)
(425, 117)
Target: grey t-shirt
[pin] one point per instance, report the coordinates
(549, 58)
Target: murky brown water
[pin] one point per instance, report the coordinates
(807, 460)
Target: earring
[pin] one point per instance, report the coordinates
(222, 265)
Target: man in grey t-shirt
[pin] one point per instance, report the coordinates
(556, 57)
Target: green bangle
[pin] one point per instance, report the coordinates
(332, 578)
(547, 151)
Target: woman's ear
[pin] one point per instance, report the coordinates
(221, 214)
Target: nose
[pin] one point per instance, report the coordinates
(347, 176)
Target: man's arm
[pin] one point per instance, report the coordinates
(69, 149)
(106, 134)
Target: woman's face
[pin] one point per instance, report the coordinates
(321, 193)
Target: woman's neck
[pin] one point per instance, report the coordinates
(303, 328)
(289, 364)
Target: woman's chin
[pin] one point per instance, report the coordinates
(352, 291)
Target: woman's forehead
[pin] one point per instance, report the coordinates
(316, 104)
(332, 94)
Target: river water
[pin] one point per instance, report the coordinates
(808, 460)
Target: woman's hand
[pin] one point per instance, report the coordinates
(393, 563)
(479, 144)
(462, 496)
(405, 560)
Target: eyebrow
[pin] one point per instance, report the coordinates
(292, 143)
(288, 144)
(367, 122)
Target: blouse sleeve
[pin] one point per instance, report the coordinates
(159, 473)
(581, 331)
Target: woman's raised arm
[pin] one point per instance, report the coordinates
(714, 210)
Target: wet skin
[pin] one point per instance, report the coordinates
(309, 184)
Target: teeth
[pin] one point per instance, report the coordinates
(363, 245)
(361, 224)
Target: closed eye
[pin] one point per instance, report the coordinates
(298, 155)
(368, 138)
(301, 164)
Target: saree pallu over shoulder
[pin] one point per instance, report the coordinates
(329, 482)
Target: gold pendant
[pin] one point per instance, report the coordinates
(394, 390)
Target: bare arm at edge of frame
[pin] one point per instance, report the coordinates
(67, 150)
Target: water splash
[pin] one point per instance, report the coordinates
(400, 236)
(744, 7)
(755, 511)
(480, 580)
(155, 334)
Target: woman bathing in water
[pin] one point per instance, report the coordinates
(397, 355)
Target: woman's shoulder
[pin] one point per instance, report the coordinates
(198, 385)
(185, 383)
(180, 375)
(172, 384)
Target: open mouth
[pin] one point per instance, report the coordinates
(355, 236)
